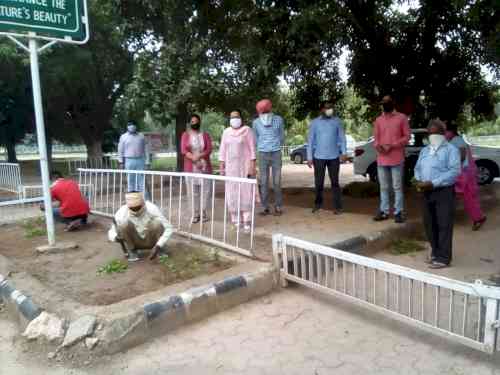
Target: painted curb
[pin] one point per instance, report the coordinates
(163, 316)
(22, 306)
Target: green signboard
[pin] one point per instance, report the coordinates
(64, 20)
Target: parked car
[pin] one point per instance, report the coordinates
(365, 158)
(299, 154)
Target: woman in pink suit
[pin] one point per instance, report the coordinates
(237, 159)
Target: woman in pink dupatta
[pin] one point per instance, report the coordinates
(237, 159)
(466, 185)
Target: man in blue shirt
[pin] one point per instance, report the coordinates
(437, 169)
(269, 131)
(326, 149)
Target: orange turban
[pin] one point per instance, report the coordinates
(264, 106)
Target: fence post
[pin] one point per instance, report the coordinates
(278, 249)
(491, 325)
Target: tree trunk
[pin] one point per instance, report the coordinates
(94, 148)
(180, 126)
(11, 151)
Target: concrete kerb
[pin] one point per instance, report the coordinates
(138, 324)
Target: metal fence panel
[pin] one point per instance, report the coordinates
(10, 177)
(13, 211)
(226, 205)
(464, 312)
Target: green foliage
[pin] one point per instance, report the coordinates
(359, 189)
(402, 246)
(115, 266)
(34, 227)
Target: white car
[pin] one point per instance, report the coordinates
(365, 158)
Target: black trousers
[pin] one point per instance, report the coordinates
(439, 216)
(320, 166)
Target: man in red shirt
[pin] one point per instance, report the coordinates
(392, 133)
(73, 207)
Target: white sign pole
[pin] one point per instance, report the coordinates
(42, 145)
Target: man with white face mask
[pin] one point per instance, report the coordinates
(326, 149)
(134, 156)
(437, 169)
(269, 131)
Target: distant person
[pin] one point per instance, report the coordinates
(269, 131)
(196, 148)
(466, 185)
(237, 159)
(392, 133)
(133, 156)
(436, 172)
(326, 149)
(140, 225)
(73, 209)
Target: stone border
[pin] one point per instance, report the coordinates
(138, 324)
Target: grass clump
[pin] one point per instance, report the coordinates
(402, 246)
(115, 266)
(34, 227)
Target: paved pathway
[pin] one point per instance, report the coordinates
(295, 331)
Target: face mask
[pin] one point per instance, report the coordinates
(435, 140)
(388, 107)
(329, 112)
(195, 126)
(235, 123)
(266, 118)
(132, 129)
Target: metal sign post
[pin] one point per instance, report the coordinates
(54, 21)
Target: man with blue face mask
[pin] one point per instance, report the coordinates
(133, 156)
(269, 131)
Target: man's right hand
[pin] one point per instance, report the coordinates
(310, 163)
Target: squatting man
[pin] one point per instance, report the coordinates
(140, 225)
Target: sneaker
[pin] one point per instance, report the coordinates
(381, 216)
(74, 225)
(195, 220)
(316, 209)
(478, 224)
(265, 212)
(399, 218)
(338, 211)
(205, 218)
(435, 265)
(133, 257)
(278, 212)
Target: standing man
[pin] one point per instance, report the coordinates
(134, 156)
(270, 136)
(326, 149)
(437, 169)
(392, 133)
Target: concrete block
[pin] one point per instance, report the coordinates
(57, 248)
(121, 333)
(80, 329)
(91, 342)
(200, 303)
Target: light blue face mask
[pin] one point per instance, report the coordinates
(132, 129)
(266, 118)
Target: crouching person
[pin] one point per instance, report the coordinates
(140, 225)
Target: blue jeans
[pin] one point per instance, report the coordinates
(386, 174)
(270, 161)
(135, 181)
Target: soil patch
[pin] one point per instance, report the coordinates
(75, 275)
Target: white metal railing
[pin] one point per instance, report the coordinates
(10, 177)
(105, 162)
(226, 205)
(464, 312)
(13, 211)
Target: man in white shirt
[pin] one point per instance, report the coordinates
(140, 225)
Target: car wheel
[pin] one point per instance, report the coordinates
(372, 173)
(485, 173)
(297, 159)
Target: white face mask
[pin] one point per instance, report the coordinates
(132, 129)
(235, 123)
(435, 140)
(266, 118)
(329, 112)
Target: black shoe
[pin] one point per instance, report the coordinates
(265, 212)
(438, 265)
(316, 209)
(381, 216)
(338, 211)
(399, 218)
(195, 220)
